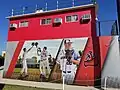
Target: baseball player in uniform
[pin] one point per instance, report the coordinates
(44, 63)
(24, 62)
(68, 60)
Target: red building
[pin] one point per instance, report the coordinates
(74, 22)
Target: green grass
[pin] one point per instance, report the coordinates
(13, 87)
(17, 70)
(34, 74)
(30, 70)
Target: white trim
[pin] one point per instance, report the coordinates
(71, 21)
(46, 85)
(58, 18)
(13, 25)
(23, 26)
(45, 24)
(53, 11)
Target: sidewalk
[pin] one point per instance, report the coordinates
(44, 85)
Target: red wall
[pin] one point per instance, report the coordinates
(35, 31)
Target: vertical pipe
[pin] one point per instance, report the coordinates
(36, 7)
(118, 12)
(23, 10)
(46, 6)
(99, 28)
(73, 3)
(57, 4)
(105, 84)
(12, 12)
(117, 32)
(63, 82)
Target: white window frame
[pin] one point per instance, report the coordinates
(71, 20)
(21, 22)
(59, 18)
(13, 25)
(46, 23)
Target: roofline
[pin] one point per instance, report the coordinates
(53, 11)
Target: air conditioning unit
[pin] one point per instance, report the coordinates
(13, 26)
(38, 11)
(58, 20)
(85, 18)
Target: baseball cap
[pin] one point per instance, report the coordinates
(67, 41)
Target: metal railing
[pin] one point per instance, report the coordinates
(50, 5)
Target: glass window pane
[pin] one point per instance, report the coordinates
(23, 24)
(74, 18)
(68, 18)
(46, 21)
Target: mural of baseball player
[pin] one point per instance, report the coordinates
(24, 61)
(44, 63)
(68, 59)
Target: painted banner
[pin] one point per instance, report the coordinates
(44, 60)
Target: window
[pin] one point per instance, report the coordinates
(13, 26)
(72, 18)
(46, 21)
(58, 20)
(23, 24)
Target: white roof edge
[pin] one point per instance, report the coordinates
(56, 10)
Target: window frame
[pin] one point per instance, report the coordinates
(22, 26)
(58, 18)
(45, 19)
(71, 20)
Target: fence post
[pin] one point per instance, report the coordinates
(46, 6)
(63, 82)
(116, 27)
(105, 84)
(57, 4)
(99, 28)
(36, 7)
(73, 3)
(12, 12)
(23, 10)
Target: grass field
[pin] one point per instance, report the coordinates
(13, 87)
(34, 74)
(30, 70)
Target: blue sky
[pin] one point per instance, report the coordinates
(107, 11)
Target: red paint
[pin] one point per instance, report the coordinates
(66, 30)
(14, 59)
(35, 31)
(88, 75)
(104, 46)
(85, 74)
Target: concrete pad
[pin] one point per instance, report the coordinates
(44, 85)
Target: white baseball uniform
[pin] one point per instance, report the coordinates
(44, 64)
(24, 68)
(68, 71)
